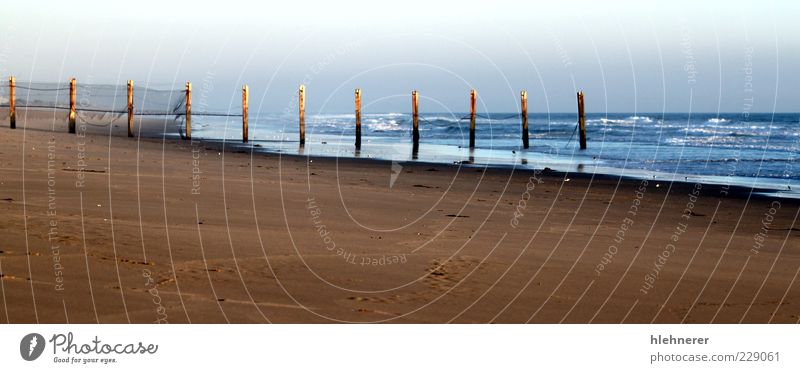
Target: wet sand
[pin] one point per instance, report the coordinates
(106, 228)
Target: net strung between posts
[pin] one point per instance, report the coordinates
(98, 103)
(103, 104)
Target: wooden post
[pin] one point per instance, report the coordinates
(188, 110)
(358, 118)
(130, 108)
(524, 98)
(301, 97)
(415, 118)
(72, 113)
(245, 97)
(581, 120)
(473, 97)
(12, 102)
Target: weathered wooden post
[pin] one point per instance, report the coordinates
(473, 97)
(130, 108)
(581, 120)
(524, 98)
(12, 101)
(189, 110)
(415, 118)
(245, 97)
(358, 118)
(301, 103)
(72, 112)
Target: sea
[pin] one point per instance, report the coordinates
(758, 150)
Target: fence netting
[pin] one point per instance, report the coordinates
(95, 103)
(4, 96)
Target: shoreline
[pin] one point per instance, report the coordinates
(729, 189)
(546, 152)
(737, 185)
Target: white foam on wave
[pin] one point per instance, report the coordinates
(612, 121)
(628, 120)
(706, 130)
(641, 119)
(717, 120)
(390, 125)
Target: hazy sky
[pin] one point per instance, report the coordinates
(642, 56)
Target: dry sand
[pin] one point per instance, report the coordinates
(288, 239)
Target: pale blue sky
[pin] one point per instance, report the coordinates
(643, 56)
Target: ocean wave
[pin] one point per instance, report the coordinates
(629, 120)
(384, 126)
(729, 142)
(717, 120)
(383, 115)
(641, 119)
(331, 116)
(435, 119)
(721, 131)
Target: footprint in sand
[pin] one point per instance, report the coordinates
(123, 260)
(441, 276)
(445, 275)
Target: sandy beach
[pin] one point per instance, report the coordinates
(99, 227)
